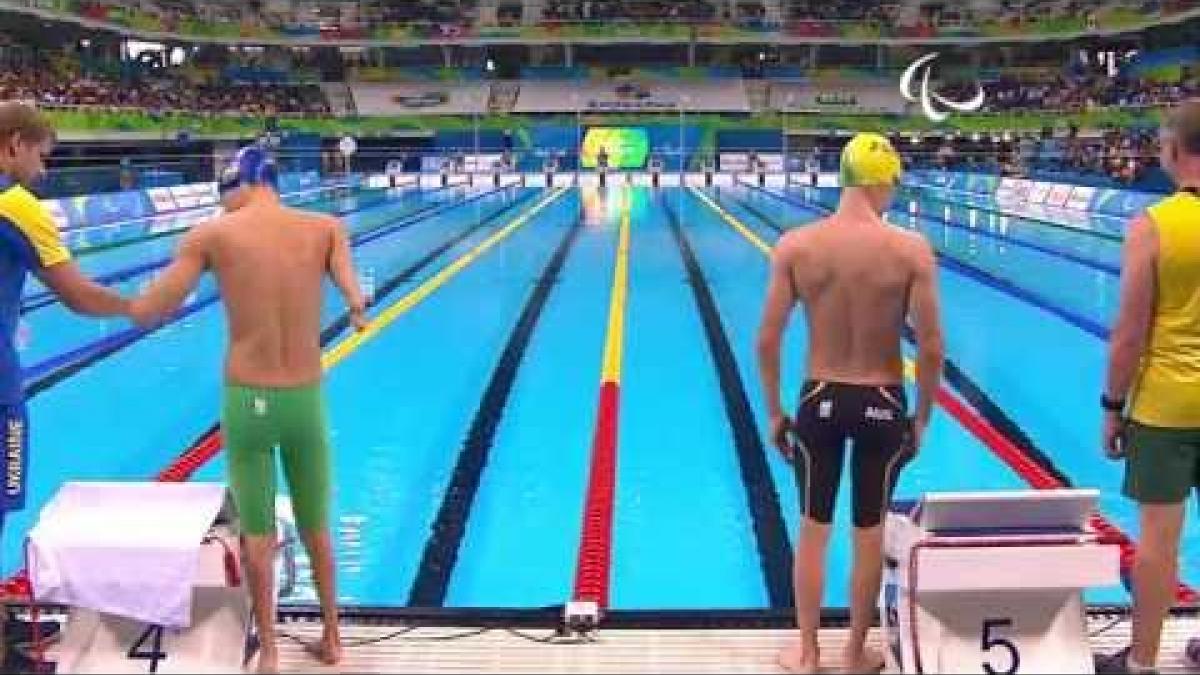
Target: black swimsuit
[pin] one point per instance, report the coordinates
(875, 419)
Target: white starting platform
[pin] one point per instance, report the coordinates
(591, 179)
(150, 574)
(992, 582)
(440, 180)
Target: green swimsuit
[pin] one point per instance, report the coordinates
(256, 420)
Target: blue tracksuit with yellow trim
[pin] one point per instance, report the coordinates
(29, 241)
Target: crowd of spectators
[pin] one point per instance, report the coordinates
(453, 12)
(459, 17)
(161, 94)
(340, 19)
(629, 10)
(462, 18)
(1065, 93)
(943, 11)
(1125, 156)
(466, 11)
(838, 10)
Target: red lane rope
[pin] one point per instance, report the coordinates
(1040, 479)
(594, 566)
(187, 464)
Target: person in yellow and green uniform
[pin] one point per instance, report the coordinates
(30, 242)
(1151, 400)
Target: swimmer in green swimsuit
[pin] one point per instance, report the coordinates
(270, 262)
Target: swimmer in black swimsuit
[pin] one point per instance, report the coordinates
(859, 280)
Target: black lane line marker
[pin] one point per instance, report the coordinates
(770, 530)
(449, 527)
(977, 274)
(36, 301)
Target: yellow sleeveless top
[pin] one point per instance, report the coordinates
(1168, 393)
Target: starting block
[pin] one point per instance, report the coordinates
(142, 595)
(991, 582)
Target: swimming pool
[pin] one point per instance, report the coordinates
(529, 368)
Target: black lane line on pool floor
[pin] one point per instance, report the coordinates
(980, 275)
(406, 275)
(337, 326)
(992, 209)
(942, 221)
(972, 393)
(1004, 238)
(377, 200)
(53, 377)
(770, 530)
(752, 210)
(432, 581)
(995, 415)
(42, 299)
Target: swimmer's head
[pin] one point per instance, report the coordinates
(871, 165)
(249, 172)
(26, 139)
(1180, 142)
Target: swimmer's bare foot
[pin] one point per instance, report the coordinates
(797, 659)
(869, 660)
(268, 661)
(328, 651)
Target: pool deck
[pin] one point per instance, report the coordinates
(427, 650)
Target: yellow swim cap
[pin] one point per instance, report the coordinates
(870, 159)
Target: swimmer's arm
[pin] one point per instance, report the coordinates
(923, 309)
(341, 270)
(79, 293)
(170, 289)
(780, 301)
(1127, 343)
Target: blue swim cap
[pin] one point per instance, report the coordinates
(252, 165)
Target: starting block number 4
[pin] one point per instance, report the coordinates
(215, 642)
(154, 634)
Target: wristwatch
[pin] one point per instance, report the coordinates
(1111, 404)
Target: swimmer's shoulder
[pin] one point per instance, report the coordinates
(217, 227)
(913, 246)
(315, 219)
(908, 240)
(200, 238)
(796, 240)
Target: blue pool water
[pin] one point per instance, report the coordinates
(1025, 305)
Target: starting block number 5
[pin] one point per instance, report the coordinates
(1003, 658)
(990, 635)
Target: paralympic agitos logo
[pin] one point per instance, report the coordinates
(933, 104)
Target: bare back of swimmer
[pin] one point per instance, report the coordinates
(852, 275)
(858, 280)
(270, 262)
